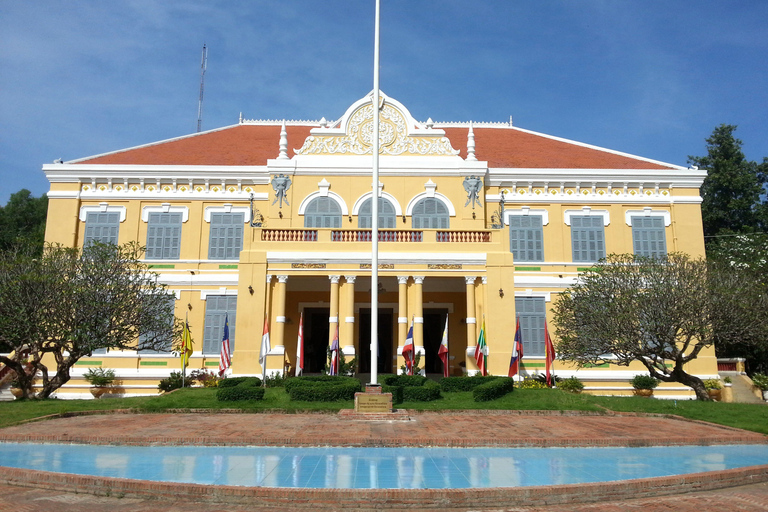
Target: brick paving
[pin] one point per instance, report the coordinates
(507, 428)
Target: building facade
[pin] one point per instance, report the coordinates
(271, 220)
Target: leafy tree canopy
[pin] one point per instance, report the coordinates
(22, 220)
(731, 192)
(67, 303)
(661, 312)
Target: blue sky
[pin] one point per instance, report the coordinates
(649, 77)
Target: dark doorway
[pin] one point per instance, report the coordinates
(434, 323)
(385, 341)
(315, 339)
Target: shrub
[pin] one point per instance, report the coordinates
(236, 381)
(324, 388)
(541, 377)
(275, 380)
(710, 384)
(247, 388)
(464, 383)
(493, 389)
(529, 383)
(99, 377)
(728, 380)
(644, 382)
(174, 382)
(416, 368)
(425, 393)
(571, 384)
(206, 378)
(760, 381)
(405, 380)
(397, 393)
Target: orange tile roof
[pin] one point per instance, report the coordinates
(255, 144)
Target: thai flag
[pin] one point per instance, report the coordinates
(335, 353)
(225, 358)
(517, 351)
(300, 347)
(408, 353)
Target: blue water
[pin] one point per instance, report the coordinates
(385, 468)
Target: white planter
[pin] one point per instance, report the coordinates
(765, 395)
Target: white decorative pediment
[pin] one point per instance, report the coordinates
(399, 133)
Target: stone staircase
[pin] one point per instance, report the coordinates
(742, 388)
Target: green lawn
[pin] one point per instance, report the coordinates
(752, 417)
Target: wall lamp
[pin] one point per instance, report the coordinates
(250, 289)
(403, 219)
(280, 214)
(474, 216)
(501, 292)
(350, 218)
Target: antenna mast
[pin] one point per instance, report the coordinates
(203, 65)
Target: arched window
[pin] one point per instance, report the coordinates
(322, 212)
(387, 216)
(430, 213)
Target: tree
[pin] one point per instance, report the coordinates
(731, 191)
(64, 305)
(661, 312)
(22, 220)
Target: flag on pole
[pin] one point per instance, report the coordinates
(442, 352)
(335, 353)
(225, 358)
(517, 351)
(186, 344)
(408, 351)
(549, 352)
(300, 347)
(481, 352)
(265, 346)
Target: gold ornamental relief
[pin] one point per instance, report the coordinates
(393, 137)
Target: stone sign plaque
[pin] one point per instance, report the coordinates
(373, 402)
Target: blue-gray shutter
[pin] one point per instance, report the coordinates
(101, 227)
(163, 236)
(322, 212)
(387, 219)
(526, 237)
(532, 313)
(587, 238)
(648, 237)
(216, 308)
(430, 213)
(226, 238)
(169, 344)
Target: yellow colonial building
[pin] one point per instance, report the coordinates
(272, 219)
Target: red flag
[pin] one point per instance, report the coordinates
(225, 357)
(335, 354)
(550, 353)
(517, 351)
(442, 352)
(300, 347)
(408, 353)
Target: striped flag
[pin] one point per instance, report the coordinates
(549, 353)
(225, 358)
(442, 352)
(517, 351)
(481, 352)
(300, 347)
(408, 351)
(265, 346)
(335, 354)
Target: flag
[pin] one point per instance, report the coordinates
(408, 352)
(442, 352)
(549, 350)
(265, 346)
(186, 344)
(481, 352)
(335, 354)
(225, 358)
(300, 347)
(517, 351)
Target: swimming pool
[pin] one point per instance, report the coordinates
(378, 468)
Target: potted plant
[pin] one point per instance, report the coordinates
(100, 379)
(571, 384)
(16, 389)
(760, 381)
(644, 385)
(727, 382)
(714, 388)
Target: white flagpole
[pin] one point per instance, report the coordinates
(375, 209)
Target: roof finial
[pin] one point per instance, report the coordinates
(471, 144)
(283, 143)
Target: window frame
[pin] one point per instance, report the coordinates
(526, 235)
(328, 219)
(438, 220)
(580, 235)
(231, 241)
(213, 325)
(532, 312)
(164, 231)
(640, 231)
(365, 218)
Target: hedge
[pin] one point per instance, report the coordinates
(493, 389)
(397, 393)
(405, 380)
(322, 388)
(464, 383)
(426, 393)
(412, 388)
(245, 388)
(236, 381)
